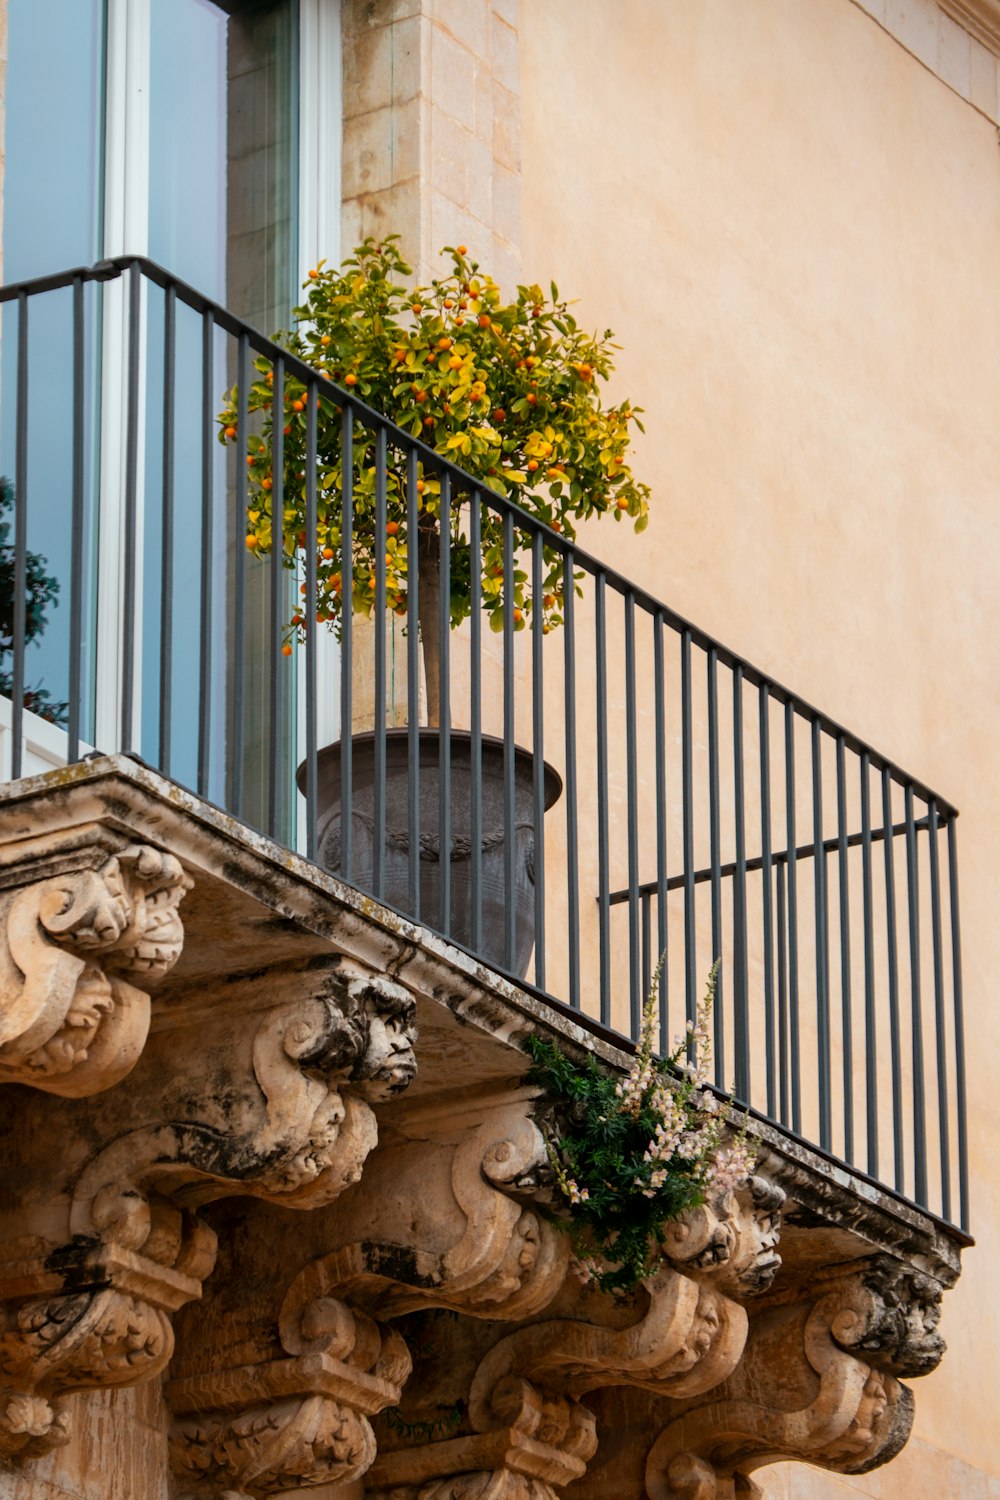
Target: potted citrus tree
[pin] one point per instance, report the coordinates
(509, 391)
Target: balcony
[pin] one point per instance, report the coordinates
(618, 792)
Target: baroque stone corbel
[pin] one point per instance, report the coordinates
(446, 1220)
(688, 1338)
(851, 1415)
(732, 1238)
(281, 1109)
(291, 1422)
(77, 950)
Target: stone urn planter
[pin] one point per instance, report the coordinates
(396, 883)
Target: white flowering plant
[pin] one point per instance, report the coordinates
(633, 1153)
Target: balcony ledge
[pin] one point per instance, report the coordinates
(210, 1032)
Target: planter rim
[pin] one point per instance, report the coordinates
(553, 780)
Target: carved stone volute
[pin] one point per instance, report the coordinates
(77, 953)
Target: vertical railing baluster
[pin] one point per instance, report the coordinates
(847, 1023)
(275, 601)
(794, 1039)
(209, 395)
(18, 632)
(378, 722)
(76, 533)
(741, 980)
(687, 822)
(916, 1017)
(960, 1086)
(647, 946)
(782, 936)
(715, 861)
(603, 856)
(129, 590)
(309, 614)
(660, 745)
(572, 847)
(822, 952)
(538, 750)
(871, 1020)
(167, 528)
(239, 571)
(509, 849)
(764, 703)
(632, 822)
(413, 677)
(940, 1024)
(476, 719)
(444, 723)
(894, 1037)
(347, 644)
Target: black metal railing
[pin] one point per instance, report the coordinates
(698, 809)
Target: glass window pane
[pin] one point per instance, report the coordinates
(53, 135)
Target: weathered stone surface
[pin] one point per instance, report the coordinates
(324, 1167)
(82, 936)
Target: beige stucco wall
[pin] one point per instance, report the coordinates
(793, 224)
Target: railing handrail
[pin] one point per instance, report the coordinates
(110, 270)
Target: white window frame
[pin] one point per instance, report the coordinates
(125, 231)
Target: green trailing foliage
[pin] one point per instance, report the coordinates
(41, 592)
(631, 1154)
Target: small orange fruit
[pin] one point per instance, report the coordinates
(286, 649)
(350, 379)
(230, 433)
(462, 249)
(328, 553)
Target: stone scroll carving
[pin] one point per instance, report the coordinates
(77, 951)
(491, 1254)
(852, 1414)
(689, 1339)
(280, 1110)
(292, 1422)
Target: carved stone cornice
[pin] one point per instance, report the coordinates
(78, 949)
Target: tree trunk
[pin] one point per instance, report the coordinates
(429, 614)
